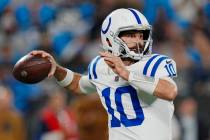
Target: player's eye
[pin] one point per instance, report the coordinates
(132, 35)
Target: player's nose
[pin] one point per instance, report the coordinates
(139, 36)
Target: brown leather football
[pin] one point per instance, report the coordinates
(31, 69)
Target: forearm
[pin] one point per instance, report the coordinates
(161, 88)
(61, 73)
(166, 89)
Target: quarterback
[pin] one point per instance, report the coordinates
(135, 86)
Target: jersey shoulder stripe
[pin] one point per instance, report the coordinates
(89, 75)
(145, 70)
(156, 65)
(92, 68)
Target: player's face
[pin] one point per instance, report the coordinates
(134, 40)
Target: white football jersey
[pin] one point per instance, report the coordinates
(134, 114)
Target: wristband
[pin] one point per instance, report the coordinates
(67, 80)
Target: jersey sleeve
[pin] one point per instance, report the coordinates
(86, 86)
(160, 66)
(93, 68)
(86, 82)
(165, 68)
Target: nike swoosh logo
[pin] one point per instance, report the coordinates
(168, 61)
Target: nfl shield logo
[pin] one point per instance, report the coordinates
(116, 79)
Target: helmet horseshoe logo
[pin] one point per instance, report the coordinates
(107, 28)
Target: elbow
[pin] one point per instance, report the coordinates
(166, 90)
(172, 93)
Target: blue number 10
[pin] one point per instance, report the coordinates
(115, 122)
(170, 70)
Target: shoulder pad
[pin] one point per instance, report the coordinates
(160, 66)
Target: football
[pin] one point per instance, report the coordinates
(31, 69)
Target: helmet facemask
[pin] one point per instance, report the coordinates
(142, 47)
(123, 20)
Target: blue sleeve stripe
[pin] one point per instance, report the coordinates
(169, 73)
(148, 64)
(155, 67)
(135, 15)
(89, 75)
(94, 67)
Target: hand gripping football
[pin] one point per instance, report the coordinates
(31, 69)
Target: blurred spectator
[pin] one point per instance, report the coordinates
(23, 17)
(91, 118)
(11, 122)
(207, 10)
(176, 129)
(201, 68)
(46, 14)
(58, 121)
(152, 8)
(4, 4)
(45, 43)
(193, 128)
(22, 93)
(186, 11)
(202, 45)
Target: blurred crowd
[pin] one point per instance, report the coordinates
(70, 31)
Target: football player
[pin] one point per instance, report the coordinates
(135, 86)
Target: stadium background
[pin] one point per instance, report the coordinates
(70, 31)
